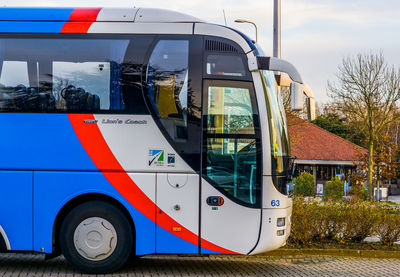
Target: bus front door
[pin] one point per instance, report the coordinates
(231, 172)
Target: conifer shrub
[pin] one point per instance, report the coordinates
(304, 185)
(333, 189)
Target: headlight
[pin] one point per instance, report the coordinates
(280, 222)
(280, 233)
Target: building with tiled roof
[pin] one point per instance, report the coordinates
(320, 152)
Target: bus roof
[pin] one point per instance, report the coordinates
(94, 15)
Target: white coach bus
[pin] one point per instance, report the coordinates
(138, 131)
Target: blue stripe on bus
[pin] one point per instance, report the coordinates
(210, 252)
(41, 155)
(32, 14)
(30, 27)
(41, 142)
(168, 243)
(16, 208)
(52, 190)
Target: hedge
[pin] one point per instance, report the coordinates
(314, 222)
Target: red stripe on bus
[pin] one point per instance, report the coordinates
(84, 14)
(76, 27)
(96, 147)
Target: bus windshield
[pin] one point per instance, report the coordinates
(280, 151)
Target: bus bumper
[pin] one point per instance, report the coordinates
(275, 229)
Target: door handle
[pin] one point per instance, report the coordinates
(215, 201)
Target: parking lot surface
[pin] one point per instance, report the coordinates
(34, 265)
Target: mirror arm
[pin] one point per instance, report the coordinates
(275, 64)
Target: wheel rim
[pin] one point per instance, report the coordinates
(95, 238)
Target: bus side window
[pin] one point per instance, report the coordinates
(167, 81)
(65, 75)
(14, 82)
(80, 86)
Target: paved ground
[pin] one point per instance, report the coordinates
(34, 265)
(394, 198)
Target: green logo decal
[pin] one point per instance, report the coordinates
(156, 157)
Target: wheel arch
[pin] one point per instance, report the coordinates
(81, 199)
(4, 242)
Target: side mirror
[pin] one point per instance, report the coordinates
(297, 96)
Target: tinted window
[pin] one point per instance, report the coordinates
(69, 75)
(14, 73)
(225, 65)
(167, 80)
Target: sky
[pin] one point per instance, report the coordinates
(316, 34)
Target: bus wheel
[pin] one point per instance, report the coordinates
(96, 237)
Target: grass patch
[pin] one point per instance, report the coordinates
(389, 203)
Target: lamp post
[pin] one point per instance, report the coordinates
(277, 29)
(246, 21)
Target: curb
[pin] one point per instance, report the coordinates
(334, 252)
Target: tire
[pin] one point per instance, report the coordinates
(3, 246)
(96, 237)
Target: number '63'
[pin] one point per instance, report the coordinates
(275, 203)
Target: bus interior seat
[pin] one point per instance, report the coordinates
(26, 99)
(166, 103)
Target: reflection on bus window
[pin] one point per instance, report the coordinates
(231, 145)
(19, 89)
(277, 125)
(74, 84)
(167, 79)
(14, 73)
(230, 111)
(66, 75)
(226, 65)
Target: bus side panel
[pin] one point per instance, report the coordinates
(52, 190)
(41, 142)
(30, 27)
(16, 208)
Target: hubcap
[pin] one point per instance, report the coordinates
(95, 239)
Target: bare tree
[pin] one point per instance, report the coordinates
(368, 91)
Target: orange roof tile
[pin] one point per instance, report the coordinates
(310, 142)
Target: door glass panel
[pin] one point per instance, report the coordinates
(232, 165)
(229, 111)
(232, 148)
